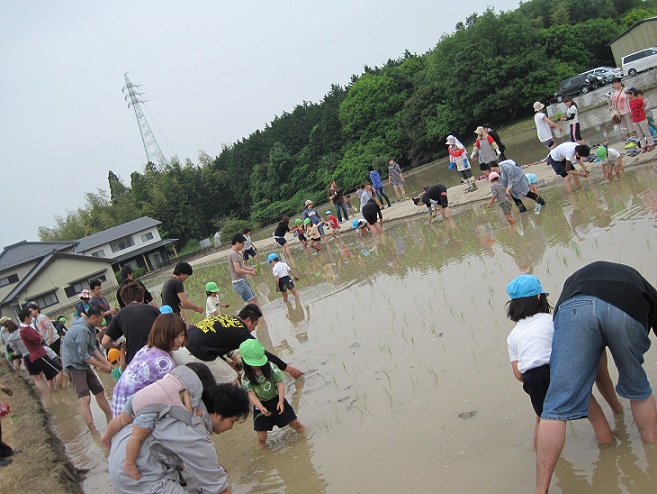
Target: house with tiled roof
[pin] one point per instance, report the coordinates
(50, 274)
(136, 243)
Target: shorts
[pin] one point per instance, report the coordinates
(280, 420)
(318, 239)
(32, 369)
(559, 167)
(302, 237)
(505, 206)
(280, 240)
(284, 283)
(146, 420)
(250, 252)
(244, 290)
(55, 346)
(48, 366)
(465, 174)
(574, 133)
(536, 382)
(396, 183)
(442, 200)
(84, 382)
(371, 218)
(583, 327)
(549, 143)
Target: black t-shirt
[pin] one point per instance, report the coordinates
(618, 285)
(148, 298)
(134, 322)
(172, 287)
(215, 336)
(281, 229)
(433, 192)
(371, 210)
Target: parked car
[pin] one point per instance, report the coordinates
(639, 61)
(581, 83)
(606, 73)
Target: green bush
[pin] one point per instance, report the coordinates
(231, 225)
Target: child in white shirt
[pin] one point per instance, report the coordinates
(282, 272)
(212, 304)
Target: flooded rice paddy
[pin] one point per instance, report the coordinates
(407, 383)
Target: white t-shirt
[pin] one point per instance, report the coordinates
(572, 111)
(564, 151)
(212, 306)
(612, 156)
(280, 269)
(530, 342)
(542, 127)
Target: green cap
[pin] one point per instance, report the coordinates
(306, 221)
(253, 353)
(297, 221)
(62, 319)
(602, 153)
(211, 286)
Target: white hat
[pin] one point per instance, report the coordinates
(450, 139)
(538, 106)
(480, 131)
(308, 202)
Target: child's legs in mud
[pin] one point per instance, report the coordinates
(297, 426)
(138, 436)
(284, 293)
(295, 293)
(262, 439)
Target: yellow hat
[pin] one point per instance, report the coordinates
(113, 355)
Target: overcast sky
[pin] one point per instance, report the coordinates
(211, 72)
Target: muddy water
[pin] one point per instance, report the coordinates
(407, 382)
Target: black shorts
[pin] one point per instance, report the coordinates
(280, 240)
(465, 174)
(285, 283)
(371, 218)
(55, 346)
(536, 382)
(46, 365)
(250, 252)
(302, 237)
(32, 369)
(280, 420)
(559, 167)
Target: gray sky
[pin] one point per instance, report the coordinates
(212, 72)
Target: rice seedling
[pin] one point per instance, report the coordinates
(648, 244)
(390, 399)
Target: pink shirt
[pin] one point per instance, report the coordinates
(620, 102)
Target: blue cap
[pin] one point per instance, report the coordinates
(354, 224)
(272, 257)
(328, 212)
(166, 309)
(525, 285)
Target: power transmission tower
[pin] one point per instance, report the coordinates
(152, 148)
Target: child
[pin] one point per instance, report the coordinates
(116, 357)
(375, 178)
(571, 116)
(533, 181)
(212, 304)
(282, 272)
(249, 248)
(610, 157)
(500, 193)
(183, 387)
(361, 227)
(530, 347)
(334, 224)
(651, 121)
(312, 232)
(640, 121)
(298, 231)
(458, 158)
(264, 383)
(350, 207)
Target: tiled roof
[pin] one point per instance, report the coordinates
(115, 233)
(22, 252)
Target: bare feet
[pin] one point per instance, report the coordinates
(132, 470)
(106, 441)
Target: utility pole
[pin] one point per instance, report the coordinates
(152, 148)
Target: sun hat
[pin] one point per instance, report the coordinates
(354, 224)
(4, 319)
(450, 140)
(493, 175)
(538, 106)
(308, 202)
(166, 309)
(298, 221)
(62, 319)
(306, 221)
(525, 285)
(85, 293)
(480, 131)
(211, 286)
(272, 257)
(328, 212)
(602, 153)
(113, 355)
(253, 353)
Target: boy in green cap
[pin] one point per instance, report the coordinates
(212, 304)
(610, 159)
(263, 382)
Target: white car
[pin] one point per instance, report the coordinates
(639, 61)
(605, 73)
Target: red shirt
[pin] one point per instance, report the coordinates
(33, 342)
(637, 109)
(333, 221)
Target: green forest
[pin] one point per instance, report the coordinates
(490, 69)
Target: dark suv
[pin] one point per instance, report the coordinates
(581, 83)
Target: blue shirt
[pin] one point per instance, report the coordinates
(79, 345)
(376, 179)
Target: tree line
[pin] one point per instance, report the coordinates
(490, 69)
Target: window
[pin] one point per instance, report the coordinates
(122, 244)
(76, 288)
(8, 280)
(146, 237)
(98, 253)
(47, 300)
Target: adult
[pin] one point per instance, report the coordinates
(602, 305)
(516, 183)
(373, 216)
(173, 291)
(174, 442)
(38, 357)
(336, 196)
(238, 271)
(309, 211)
(16, 342)
(79, 354)
(153, 361)
(435, 197)
(544, 126)
(134, 322)
(458, 158)
(279, 235)
(496, 137)
(213, 338)
(45, 327)
(619, 105)
(396, 179)
(97, 299)
(486, 149)
(562, 159)
(126, 277)
(377, 183)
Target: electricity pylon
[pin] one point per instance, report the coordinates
(152, 148)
